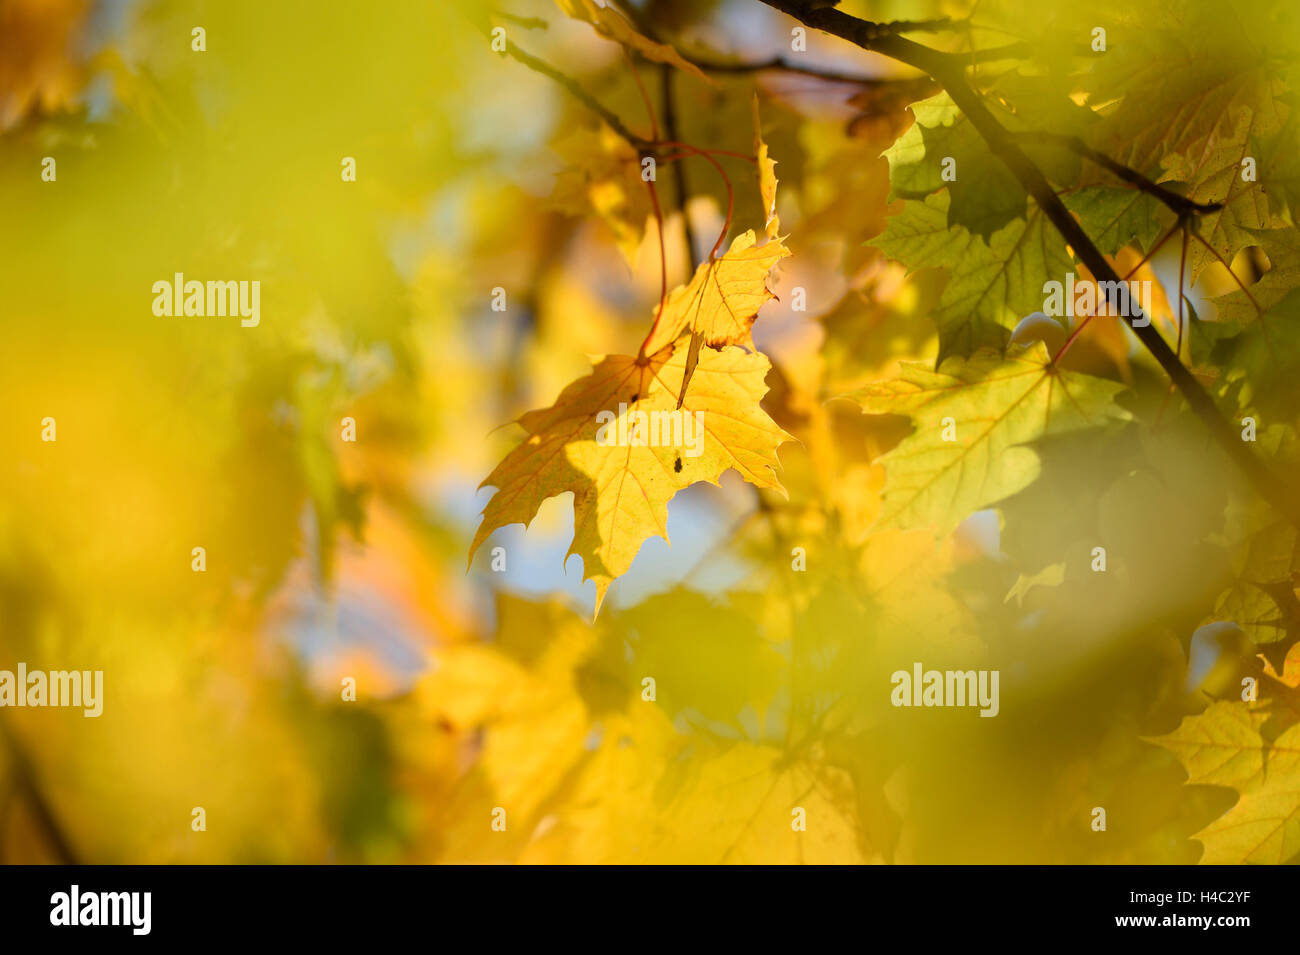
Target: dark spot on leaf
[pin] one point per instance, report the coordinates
(634, 398)
(677, 465)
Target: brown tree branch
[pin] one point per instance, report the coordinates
(789, 66)
(1181, 205)
(948, 70)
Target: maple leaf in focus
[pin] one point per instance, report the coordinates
(621, 493)
(721, 302)
(722, 299)
(943, 150)
(992, 285)
(983, 198)
(973, 419)
(767, 181)
(1114, 216)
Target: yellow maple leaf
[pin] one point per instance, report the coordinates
(613, 26)
(722, 299)
(617, 440)
(720, 303)
(766, 177)
(1290, 673)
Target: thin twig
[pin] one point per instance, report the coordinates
(1178, 204)
(1228, 267)
(1182, 279)
(537, 65)
(570, 84)
(645, 96)
(681, 188)
(781, 63)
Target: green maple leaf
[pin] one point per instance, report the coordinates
(1279, 162)
(1178, 84)
(985, 196)
(974, 418)
(1114, 216)
(1263, 555)
(1263, 358)
(1256, 751)
(991, 285)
